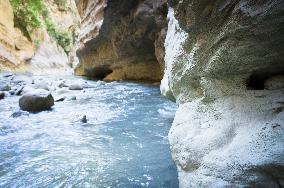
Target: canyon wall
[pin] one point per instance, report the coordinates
(225, 69)
(37, 36)
(122, 39)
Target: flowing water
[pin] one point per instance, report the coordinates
(123, 144)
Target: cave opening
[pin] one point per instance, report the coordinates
(99, 72)
(257, 80)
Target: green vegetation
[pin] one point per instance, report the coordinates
(62, 4)
(28, 15)
(63, 39)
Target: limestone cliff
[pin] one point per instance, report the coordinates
(37, 36)
(224, 67)
(122, 39)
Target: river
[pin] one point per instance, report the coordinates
(123, 144)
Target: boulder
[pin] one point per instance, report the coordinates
(75, 87)
(38, 100)
(5, 87)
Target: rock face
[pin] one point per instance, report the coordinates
(119, 39)
(37, 101)
(224, 67)
(39, 49)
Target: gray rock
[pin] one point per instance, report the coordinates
(84, 119)
(19, 90)
(62, 91)
(19, 113)
(60, 99)
(5, 87)
(76, 87)
(7, 74)
(62, 84)
(37, 101)
(72, 98)
(27, 89)
(41, 85)
(22, 79)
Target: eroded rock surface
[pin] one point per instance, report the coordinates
(224, 67)
(38, 51)
(121, 39)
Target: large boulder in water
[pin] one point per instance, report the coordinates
(36, 101)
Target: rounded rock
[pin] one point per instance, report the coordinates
(75, 87)
(37, 101)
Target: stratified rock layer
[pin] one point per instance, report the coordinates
(39, 52)
(119, 39)
(224, 67)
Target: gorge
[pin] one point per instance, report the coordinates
(107, 124)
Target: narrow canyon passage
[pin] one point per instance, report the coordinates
(123, 144)
(75, 109)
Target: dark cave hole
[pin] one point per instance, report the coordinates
(98, 72)
(256, 81)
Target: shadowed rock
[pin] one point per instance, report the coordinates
(37, 101)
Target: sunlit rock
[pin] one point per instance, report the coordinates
(122, 40)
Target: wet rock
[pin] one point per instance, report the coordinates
(62, 91)
(22, 79)
(7, 74)
(38, 100)
(84, 119)
(2, 95)
(62, 84)
(19, 90)
(75, 87)
(60, 99)
(71, 98)
(26, 89)
(41, 85)
(5, 87)
(19, 113)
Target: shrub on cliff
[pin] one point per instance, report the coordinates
(29, 15)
